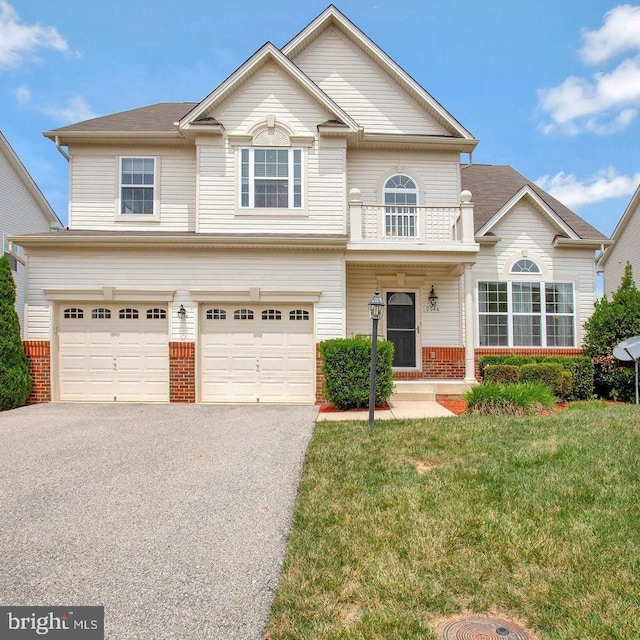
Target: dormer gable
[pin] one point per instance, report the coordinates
(268, 59)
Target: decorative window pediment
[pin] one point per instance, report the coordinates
(271, 137)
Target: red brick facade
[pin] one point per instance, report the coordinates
(39, 356)
(182, 371)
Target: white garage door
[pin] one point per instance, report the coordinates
(257, 353)
(113, 352)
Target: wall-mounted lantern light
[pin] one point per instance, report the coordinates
(433, 301)
(182, 312)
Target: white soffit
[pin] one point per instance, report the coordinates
(527, 191)
(330, 16)
(267, 53)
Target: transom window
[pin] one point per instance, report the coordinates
(128, 314)
(137, 185)
(216, 314)
(100, 314)
(400, 199)
(243, 314)
(156, 314)
(271, 314)
(73, 313)
(270, 178)
(525, 266)
(299, 314)
(526, 314)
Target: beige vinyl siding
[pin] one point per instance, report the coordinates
(95, 184)
(527, 230)
(626, 248)
(437, 174)
(324, 208)
(436, 329)
(271, 91)
(366, 92)
(184, 270)
(20, 214)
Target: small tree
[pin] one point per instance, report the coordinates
(15, 381)
(611, 323)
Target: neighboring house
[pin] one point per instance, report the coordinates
(23, 209)
(625, 247)
(213, 245)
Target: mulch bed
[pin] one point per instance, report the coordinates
(329, 408)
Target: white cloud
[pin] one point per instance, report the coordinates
(76, 109)
(19, 40)
(608, 101)
(603, 185)
(619, 33)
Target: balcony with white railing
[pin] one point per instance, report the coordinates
(396, 227)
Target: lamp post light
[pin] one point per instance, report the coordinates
(376, 307)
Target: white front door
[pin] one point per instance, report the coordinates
(113, 352)
(257, 353)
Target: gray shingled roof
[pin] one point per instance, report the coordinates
(156, 117)
(493, 186)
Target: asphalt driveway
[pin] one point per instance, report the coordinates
(174, 517)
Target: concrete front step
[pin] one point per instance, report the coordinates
(427, 390)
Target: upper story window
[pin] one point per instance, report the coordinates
(525, 266)
(400, 199)
(137, 186)
(270, 178)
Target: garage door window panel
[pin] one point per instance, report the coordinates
(128, 314)
(73, 313)
(156, 314)
(243, 314)
(101, 313)
(299, 314)
(272, 314)
(216, 314)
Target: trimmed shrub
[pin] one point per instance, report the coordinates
(522, 398)
(581, 368)
(505, 373)
(346, 365)
(15, 381)
(548, 373)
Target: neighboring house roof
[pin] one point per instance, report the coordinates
(43, 204)
(154, 118)
(493, 186)
(622, 225)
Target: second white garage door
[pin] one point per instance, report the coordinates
(257, 353)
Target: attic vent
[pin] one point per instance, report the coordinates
(271, 138)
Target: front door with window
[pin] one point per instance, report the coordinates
(401, 327)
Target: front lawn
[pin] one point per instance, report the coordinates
(536, 519)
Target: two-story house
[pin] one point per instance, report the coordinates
(213, 245)
(23, 209)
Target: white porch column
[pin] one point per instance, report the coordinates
(355, 215)
(469, 328)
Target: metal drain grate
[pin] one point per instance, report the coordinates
(481, 628)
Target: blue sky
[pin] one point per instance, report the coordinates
(551, 87)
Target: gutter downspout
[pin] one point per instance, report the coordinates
(60, 149)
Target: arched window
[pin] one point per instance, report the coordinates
(73, 313)
(298, 314)
(128, 314)
(100, 314)
(156, 314)
(216, 314)
(271, 314)
(400, 200)
(243, 314)
(525, 266)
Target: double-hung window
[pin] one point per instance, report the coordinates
(526, 314)
(137, 186)
(270, 178)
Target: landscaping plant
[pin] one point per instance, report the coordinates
(346, 366)
(611, 323)
(15, 381)
(522, 398)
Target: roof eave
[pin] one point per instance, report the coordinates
(581, 243)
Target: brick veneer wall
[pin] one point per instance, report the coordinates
(320, 399)
(39, 355)
(182, 371)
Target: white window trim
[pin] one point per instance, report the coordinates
(510, 314)
(272, 211)
(416, 207)
(139, 217)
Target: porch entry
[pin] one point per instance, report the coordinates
(402, 327)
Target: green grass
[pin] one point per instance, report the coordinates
(532, 518)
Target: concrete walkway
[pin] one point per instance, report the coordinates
(416, 409)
